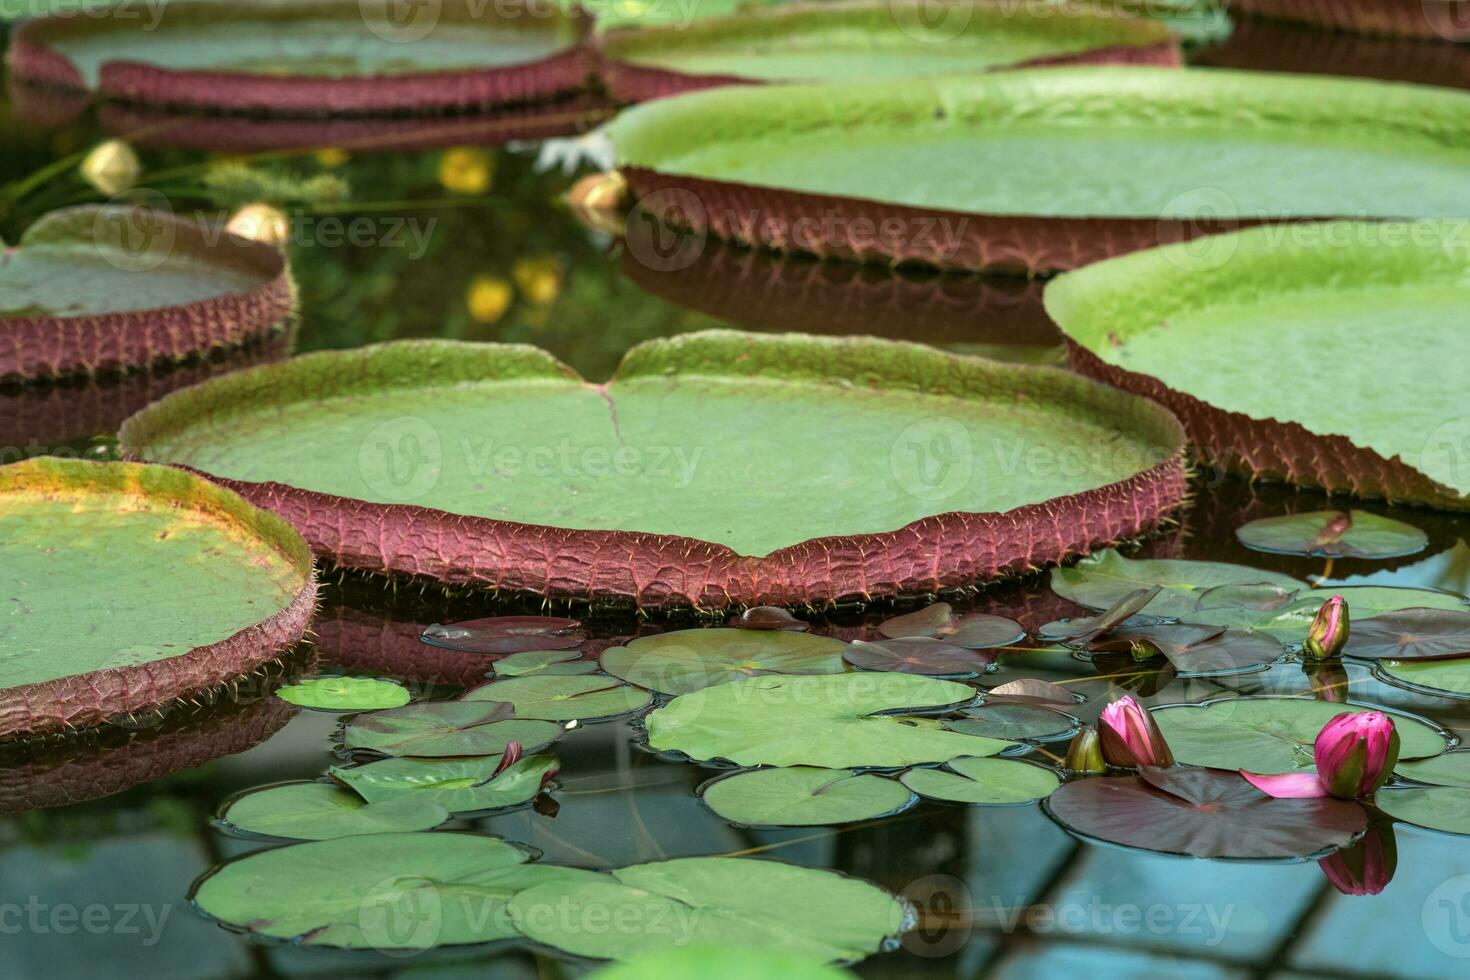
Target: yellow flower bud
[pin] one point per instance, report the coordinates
(111, 167)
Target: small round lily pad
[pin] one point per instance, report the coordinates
(321, 811)
(992, 781)
(1411, 634)
(917, 655)
(546, 662)
(1333, 534)
(345, 694)
(801, 796)
(681, 661)
(459, 785)
(940, 622)
(563, 698)
(1014, 722)
(1103, 579)
(506, 634)
(438, 729)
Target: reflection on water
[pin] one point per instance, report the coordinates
(122, 823)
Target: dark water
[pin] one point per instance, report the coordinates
(103, 836)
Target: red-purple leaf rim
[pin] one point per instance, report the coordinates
(506, 634)
(1411, 634)
(1207, 813)
(917, 655)
(768, 618)
(689, 544)
(397, 67)
(975, 631)
(108, 314)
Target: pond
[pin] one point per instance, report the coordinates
(129, 847)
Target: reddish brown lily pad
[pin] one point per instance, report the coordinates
(1209, 813)
(100, 289)
(1439, 20)
(975, 631)
(768, 618)
(917, 655)
(1411, 634)
(676, 493)
(506, 634)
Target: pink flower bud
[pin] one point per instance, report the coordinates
(1329, 630)
(1131, 738)
(1367, 867)
(1355, 753)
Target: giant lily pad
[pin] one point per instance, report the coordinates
(553, 698)
(1364, 305)
(1411, 634)
(436, 729)
(1203, 813)
(864, 41)
(802, 796)
(1271, 734)
(991, 781)
(131, 586)
(817, 914)
(1098, 161)
(467, 785)
(1450, 678)
(310, 58)
(1333, 534)
(379, 891)
(688, 479)
(1102, 580)
(831, 721)
(681, 661)
(104, 288)
(1443, 808)
(319, 811)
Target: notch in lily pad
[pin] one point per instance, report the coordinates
(918, 655)
(460, 785)
(682, 661)
(506, 634)
(803, 796)
(590, 697)
(544, 662)
(974, 631)
(438, 729)
(322, 811)
(345, 694)
(995, 782)
(1333, 534)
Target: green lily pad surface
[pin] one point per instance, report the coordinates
(1411, 634)
(1333, 534)
(458, 785)
(803, 796)
(1078, 142)
(560, 698)
(345, 694)
(686, 660)
(1287, 615)
(828, 721)
(718, 963)
(544, 662)
(1104, 579)
(1444, 808)
(1271, 734)
(1365, 308)
(379, 891)
(142, 572)
(1014, 722)
(869, 41)
(816, 914)
(1450, 769)
(995, 781)
(1447, 677)
(438, 729)
(658, 449)
(320, 811)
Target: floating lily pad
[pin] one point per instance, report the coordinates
(130, 586)
(992, 781)
(507, 634)
(1130, 156)
(1333, 534)
(1288, 618)
(1411, 634)
(858, 42)
(310, 58)
(1450, 769)
(462, 785)
(768, 618)
(686, 660)
(1104, 579)
(975, 631)
(1014, 722)
(1195, 650)
(1443, 808)
(1204, 813)
(820, 915)
(1364, 302)
(345, 693)
(1271, 734)
(353, 442)
(589, 698)
(802, 796)
(917, 655)
(1029, 690)
(105, 288)
(829, 721)
(379, 891)
(320, 811)
(545, 663)
(1450, 678)
(1084, 628)
(718, 963)
(436, 729)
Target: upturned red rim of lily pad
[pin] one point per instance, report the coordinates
(1429, 20)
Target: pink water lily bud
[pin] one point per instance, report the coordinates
(1131, 738)
(1328, 679)
(1367, 867)
(1085, 755)
(1329, 630)
(1355, 754)
(513, 753)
